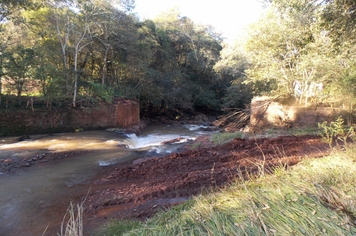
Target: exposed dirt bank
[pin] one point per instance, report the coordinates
(140, 190)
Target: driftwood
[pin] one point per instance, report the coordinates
(236, 118)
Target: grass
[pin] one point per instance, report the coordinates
(196, 145)
(116, 227)
(220, 138)
(305, 131)
(292, 131)
(315, 197)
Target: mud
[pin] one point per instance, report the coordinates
(140, 190)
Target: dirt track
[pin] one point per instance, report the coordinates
(139, 190)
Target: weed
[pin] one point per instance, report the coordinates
(196, 145)
(220, 138)
(336, 129)
(74, 225)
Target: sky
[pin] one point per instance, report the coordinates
(228, 17)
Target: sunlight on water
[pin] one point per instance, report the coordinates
(60, 145)
(34, 193)
(93, 140)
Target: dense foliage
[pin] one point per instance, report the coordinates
(305, 48)
(99, 49)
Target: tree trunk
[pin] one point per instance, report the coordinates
(103, 74)
(85, 60)
(65, 75)
(19, 91)
(1, 60)
(75, 77)
(63, 43)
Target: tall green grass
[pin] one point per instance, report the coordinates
(316, 197)
(116, 227)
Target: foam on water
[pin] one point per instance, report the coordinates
(106, 163)
(160, 149)
(28, 194)
(193, 127)
(153, 140)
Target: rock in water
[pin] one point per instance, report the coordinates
(24, 137)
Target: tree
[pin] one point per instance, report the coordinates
(306, 42)
(9, 36)
(92, 48)
(83, 30)
(63, 38)
(195, 49)
(18, 67)
(275, 45)
(231, 70)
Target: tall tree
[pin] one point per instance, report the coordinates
(18, 67)
(63, 37)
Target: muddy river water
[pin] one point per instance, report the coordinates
(33, 199)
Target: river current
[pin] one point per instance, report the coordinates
(36, 198)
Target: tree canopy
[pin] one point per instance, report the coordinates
(305, 43)
(99, 49)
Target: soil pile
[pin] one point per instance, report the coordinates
(139, 190)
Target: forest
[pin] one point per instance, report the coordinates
(97, 50)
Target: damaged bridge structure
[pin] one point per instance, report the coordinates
(121, 113)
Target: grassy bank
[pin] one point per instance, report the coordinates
(220, 138)
(316, 197)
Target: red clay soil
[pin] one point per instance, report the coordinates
(140, 190)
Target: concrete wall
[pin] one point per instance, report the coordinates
(122, 113)
(267, 114)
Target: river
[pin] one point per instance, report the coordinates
(33, 199)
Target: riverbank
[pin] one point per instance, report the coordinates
(43, 191)
(141, 189)
(315, 197)
(169, 170)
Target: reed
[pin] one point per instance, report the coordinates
(72, 223)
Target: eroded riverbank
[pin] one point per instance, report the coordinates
(141, 189)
